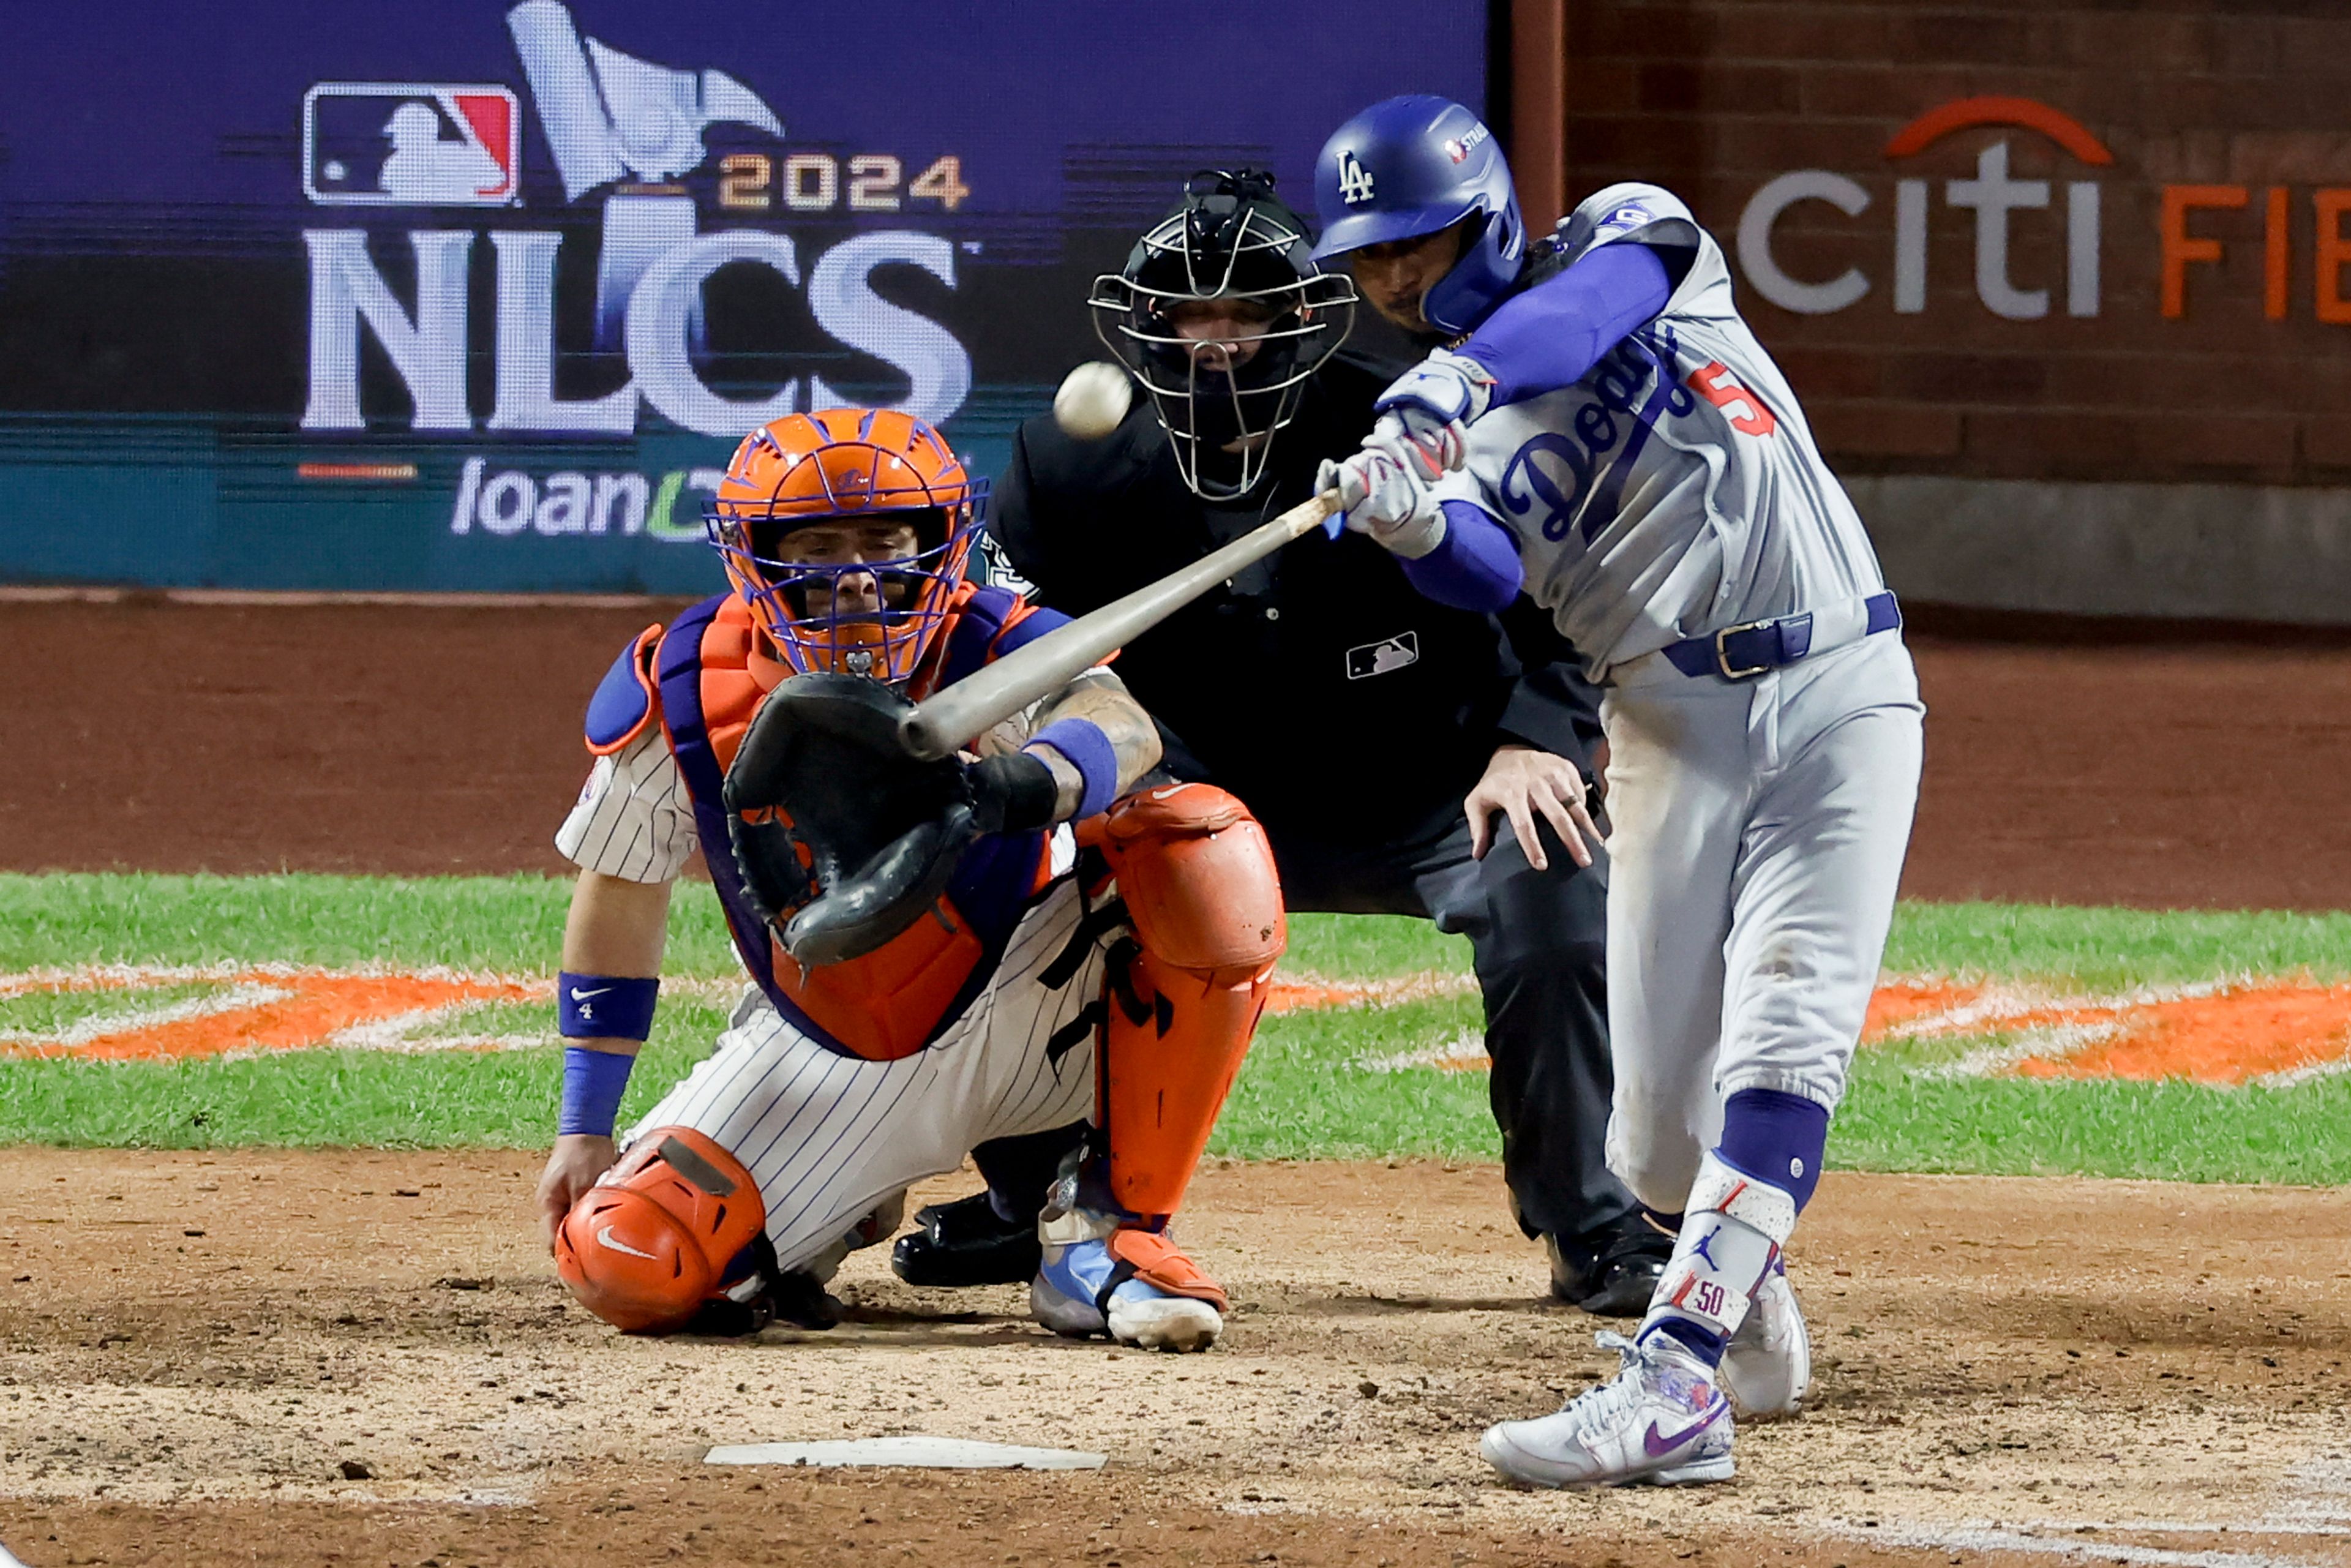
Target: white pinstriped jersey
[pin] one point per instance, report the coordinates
(1677, 489)
(633, 820)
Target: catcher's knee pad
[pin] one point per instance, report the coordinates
(1199, 880)
(668, 1229)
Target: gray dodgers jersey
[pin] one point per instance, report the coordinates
(1675, 490)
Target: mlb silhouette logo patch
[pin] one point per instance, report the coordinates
(384, 144)
(1379, 658)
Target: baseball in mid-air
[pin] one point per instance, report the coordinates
(1093, 400)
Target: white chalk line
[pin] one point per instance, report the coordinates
(392, 1033)
(247, 988)
(1998, 1538)
(123, 1021)
(1464, 1052)
(125, 976)
(2310, 1509)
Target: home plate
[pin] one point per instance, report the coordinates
(926, 1453)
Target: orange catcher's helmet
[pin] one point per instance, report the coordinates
(853, 595)
(675, 1225)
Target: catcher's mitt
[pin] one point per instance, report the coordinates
(844, 839)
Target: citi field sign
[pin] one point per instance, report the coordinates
(1996, 204)
(623, 132)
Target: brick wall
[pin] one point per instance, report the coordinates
(2244, 381)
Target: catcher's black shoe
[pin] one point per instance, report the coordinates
(966, 1243)
(1613, 1270)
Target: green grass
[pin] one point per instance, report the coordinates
(509, 924)
(2100, 949)
(1311, 1088)
(43, 1012)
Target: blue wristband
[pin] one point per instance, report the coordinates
(592, 1084)
(1081, 742)
(604, 1007)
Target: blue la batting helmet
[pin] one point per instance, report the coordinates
(1410, 166)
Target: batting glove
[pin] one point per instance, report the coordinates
(1385, 492)
(1431, 403)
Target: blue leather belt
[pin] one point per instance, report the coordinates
(1743, 652)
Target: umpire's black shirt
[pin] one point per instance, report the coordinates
(1318, 686)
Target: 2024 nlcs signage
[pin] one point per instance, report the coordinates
(628, 128)
(447, 295)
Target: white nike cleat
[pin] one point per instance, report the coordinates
(1769, 1365)
(1660, 1421)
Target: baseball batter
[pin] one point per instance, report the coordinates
(1038, 977)
(1602, 427)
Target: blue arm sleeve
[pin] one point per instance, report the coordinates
(1552, 336)
(1475, 567)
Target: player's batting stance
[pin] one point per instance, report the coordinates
(1237, 338)
(1601, 427)
(935, 961)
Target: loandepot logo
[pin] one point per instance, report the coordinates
(633, 129)
(1997, 202)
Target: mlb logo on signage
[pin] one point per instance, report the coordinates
(409, 144)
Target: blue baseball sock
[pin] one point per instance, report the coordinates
(1775, 1138)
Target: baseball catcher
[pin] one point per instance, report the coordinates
(935, 956)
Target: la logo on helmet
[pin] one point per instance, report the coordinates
(1354, 180)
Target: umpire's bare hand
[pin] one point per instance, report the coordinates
(1520, 782)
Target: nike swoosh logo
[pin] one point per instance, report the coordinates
(1659, 1447)
(579, 996)
(604, 1239)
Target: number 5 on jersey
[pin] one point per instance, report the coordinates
(1712, 382)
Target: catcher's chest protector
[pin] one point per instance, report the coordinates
(898, 999)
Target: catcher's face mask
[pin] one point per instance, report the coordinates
(846, 532)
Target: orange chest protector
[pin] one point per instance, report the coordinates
(895, 1000)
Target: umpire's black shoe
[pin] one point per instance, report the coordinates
(1610, 1271)
(966, 1243)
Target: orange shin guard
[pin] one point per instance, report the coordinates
(1199, 884)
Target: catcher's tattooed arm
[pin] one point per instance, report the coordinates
(1101, 699)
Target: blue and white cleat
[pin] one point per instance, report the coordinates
(1769, 1363)
(1660, 1421)
(1132, 1285)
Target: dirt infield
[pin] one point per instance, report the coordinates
(196, 1351)
(2064, 763)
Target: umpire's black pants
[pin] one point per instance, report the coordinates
(1539, 941)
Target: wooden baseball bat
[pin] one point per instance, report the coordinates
(942, 723)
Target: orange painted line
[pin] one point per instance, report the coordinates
(1891, 1006)
(321, 1006)
(1296, 997)
(2222, 1038)
(2227, 1038)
